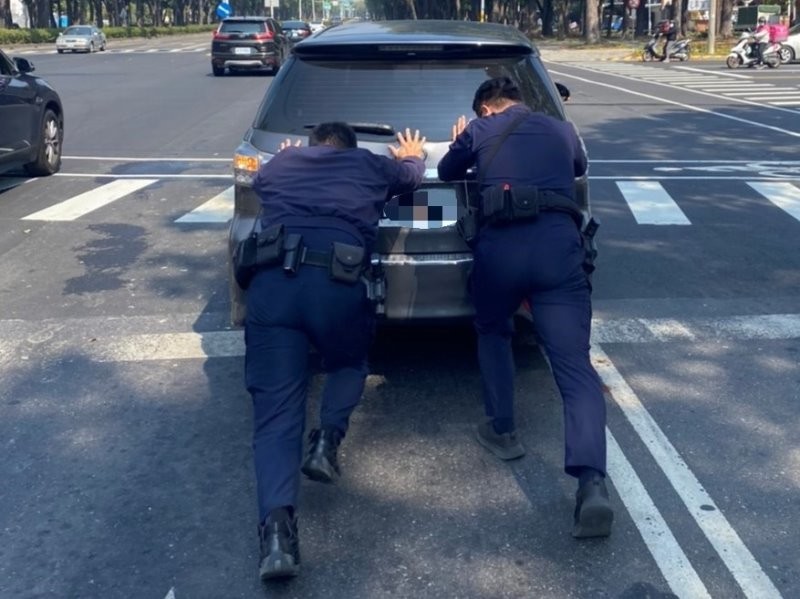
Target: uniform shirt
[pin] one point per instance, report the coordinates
(541, 151)
(322, 181)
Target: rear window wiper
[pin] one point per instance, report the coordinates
(373, 128)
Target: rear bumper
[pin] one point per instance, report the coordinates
(246, 61)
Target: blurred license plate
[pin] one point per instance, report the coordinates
(241, 50)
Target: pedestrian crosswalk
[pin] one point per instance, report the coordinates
(650, 201)
(734, 85)
(139, 49)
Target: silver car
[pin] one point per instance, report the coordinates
(81, 38)
(790, 48)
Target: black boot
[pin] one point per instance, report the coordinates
(321, 464)
(593, 513)
(280, 550)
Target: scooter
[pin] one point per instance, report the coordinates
(744, 53)
(680, 50)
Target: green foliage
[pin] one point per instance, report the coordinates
(28, 36)
(45, 36)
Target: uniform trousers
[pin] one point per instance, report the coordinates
(540, 261)
(285, 316)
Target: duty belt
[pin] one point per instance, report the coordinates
(502, 204)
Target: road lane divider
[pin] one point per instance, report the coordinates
(785, 196)
(729, 546)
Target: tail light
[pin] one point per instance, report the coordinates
(221, 36)
(267, 35)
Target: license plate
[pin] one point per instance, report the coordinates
(241, 50)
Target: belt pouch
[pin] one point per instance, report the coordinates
(524, 202)
(347, 262)
(292, 253)
(270, 245)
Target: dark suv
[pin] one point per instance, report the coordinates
(31, 120)
(247, 43)
(382, 77)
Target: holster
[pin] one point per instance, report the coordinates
(588, 232)
(375, 281)
(258, 249)
(467, 226)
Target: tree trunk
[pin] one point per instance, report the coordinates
(5, 14)
(591, 22)
(726, 19)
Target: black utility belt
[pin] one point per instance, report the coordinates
(503, 204)
(275, 247)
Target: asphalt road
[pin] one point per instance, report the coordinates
(125, 426)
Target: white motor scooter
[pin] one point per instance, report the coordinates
(744, 53)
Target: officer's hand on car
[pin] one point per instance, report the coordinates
(408, 145)
(460, 125)
(287, 143)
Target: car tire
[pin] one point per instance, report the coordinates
(60, 51)
(218, 71)
(103, 47)
(91, 48)
(786, 53)
(48, 154)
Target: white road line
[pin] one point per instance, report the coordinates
(681, 104)
(723, 74)
(142, 175)
(218, 209)
(170, 594)
(740, 562)
(230, 343)
(651, 204)
(149, 159)
(84, 203)
(784, 195)
(667, 553)
(787, 103)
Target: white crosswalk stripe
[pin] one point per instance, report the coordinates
(734, 85)
(651, 204)
(86, 202)
(784, 195)
(218, 209)
(649, 200)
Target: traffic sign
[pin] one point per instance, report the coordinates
(224, 9)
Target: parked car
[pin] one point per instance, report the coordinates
(81, 38)
(32, 120)
(248, 43)
(317, 26)
(382, 77)
(790, 49)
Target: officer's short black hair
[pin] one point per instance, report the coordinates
(499, 88)
(338, 135)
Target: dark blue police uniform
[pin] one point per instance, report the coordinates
(538, 260)
(328, 195)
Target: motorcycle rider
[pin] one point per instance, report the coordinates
(761, 41)
(669, 32)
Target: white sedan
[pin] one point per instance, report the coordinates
(81, 38)
(790, 49)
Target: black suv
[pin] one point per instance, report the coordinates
(31, 120)
(382, 77)
(246, 43)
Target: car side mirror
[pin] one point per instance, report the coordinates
(24, 65)
(563, 91)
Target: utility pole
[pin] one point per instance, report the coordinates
(712, 24)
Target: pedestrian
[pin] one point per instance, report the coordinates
(529, 247)
(320, 207)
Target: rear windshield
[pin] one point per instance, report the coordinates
(428, 96)
(242, 27)
(78, 31)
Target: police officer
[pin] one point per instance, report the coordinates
(330, 196)
(526, 164)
